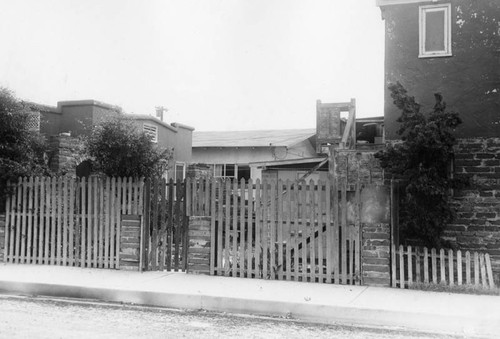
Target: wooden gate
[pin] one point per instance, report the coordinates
(282, 230)
(164, 240)
(69, 222)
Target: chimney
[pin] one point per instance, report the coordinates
(159, 112)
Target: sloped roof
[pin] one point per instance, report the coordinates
(252, 138)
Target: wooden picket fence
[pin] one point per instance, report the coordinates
(70, 222)
(447, 267)
(165, 240)
(280, 230)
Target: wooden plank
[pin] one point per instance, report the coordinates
(16, 250)
(60, 220)
(185, 227)
(71, 235)
(250, 224)
(350, 256)
(265, 227)
(241, 245)
(343, 249)
(279, 229)
(8, 224)
(489, 271)
(273, 267)
(288, 238)
(112, 225)
(234, 249)
(312, 230)
(319, 227)
(177, 226)
(97, 213)
(219, 185)
(467, 268)
(107, 222)
(24, 220)
(129, 199)
(207, 207)
(450, 267)
(476, 269)
(483, 271)
(442, 266)
(303, 229)
(83, 229)
(41, 225)
(394, 277)
(65, 222)
(418, 266)
(426, 266)
(162, 219)
(90, 223)
(258, 227)
(336, 232)
(154, 225)
(30, 215)
(459, 267)
(357, 217)
(36, 219)
(410, 265)
(227, 233)
(296, 229)
(54, 217)
(329, 232)
(145, 235)
(401, 267)
(213, 236)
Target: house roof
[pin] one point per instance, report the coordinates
(382, 3)
(286, 137)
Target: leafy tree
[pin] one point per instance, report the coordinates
(423, 159)
(22, 152)
(118, 149)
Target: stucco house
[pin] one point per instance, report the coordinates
(67, 121)
(287, 154)
(453, 47)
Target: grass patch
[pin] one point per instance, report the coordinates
(465, 289)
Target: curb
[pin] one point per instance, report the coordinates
(310, 312)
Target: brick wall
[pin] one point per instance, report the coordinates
(130, 237)
(65, 154)
(199, 245)
(477, 224)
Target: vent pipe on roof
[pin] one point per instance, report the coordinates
(159, 112)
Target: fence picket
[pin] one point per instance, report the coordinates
(258, 227)
(65, 221)
(410, 267)
(450, 268)
(483, 270)
(24, 220)
(319, 213)
(36, 219)
(343, 236)
(459, 267)
(394, 274)
(227, 235)
(476, 269)
(442, 266)
(417, 266)
(220, 226)
(41, 226)
(30, 215)
(288, 230)
(235, 228)
(8, 225)
(241, 245)
(467, 268)
(426, 266)
(336, 233)
(303, 229)
(279, 229)
(213, 248)
(249, 229)
(401, 267)
(489, 270)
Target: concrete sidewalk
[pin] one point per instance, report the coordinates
(461, 314)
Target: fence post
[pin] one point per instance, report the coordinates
(3, 252)
(145, 227)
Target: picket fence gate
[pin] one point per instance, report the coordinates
(69, 222)
(446, 267)
(281, 230)
(166, 233)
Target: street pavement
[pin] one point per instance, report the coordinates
(435, 312)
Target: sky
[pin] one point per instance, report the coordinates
(214, 64)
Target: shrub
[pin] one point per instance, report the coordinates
(118, 149)
(423, 159)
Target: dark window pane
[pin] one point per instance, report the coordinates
(434, 31)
